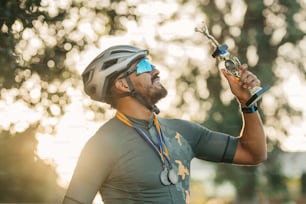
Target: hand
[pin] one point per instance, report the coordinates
(240, 86)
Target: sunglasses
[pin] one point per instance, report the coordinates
(143, 66)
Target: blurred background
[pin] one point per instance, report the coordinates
(45, 117)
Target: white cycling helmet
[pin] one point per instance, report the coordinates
(106, 66)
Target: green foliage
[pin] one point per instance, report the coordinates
(10, 12)
(243, 178)
(259, 30)
(38, 40)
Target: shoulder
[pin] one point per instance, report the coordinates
(182, 125)
(101, 146)
(109, 134)
(189, 130)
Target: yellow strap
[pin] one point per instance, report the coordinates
(160, 135)
(126, 121)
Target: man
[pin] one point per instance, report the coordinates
(137, 157)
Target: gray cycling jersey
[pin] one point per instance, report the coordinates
(119, 164)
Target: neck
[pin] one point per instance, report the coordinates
(134, 109)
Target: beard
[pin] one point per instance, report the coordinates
(153, 93)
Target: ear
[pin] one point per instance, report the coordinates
(122, 86)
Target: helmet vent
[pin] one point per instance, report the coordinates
(109, 63)
(120, 51)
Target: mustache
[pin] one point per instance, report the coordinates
(155, 76)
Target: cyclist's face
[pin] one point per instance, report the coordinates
(148, 85)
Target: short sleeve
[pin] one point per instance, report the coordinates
(91, 170)
(216, 147)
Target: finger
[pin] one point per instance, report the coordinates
(244, 72)
(253, 83)
(226, 73)
(233, 81)
(243, 69)
(250, 78)
(250, 81)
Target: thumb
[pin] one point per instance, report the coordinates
(226, 73)
(230, 78)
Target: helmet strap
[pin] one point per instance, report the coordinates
(134, 94)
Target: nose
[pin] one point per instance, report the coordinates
(155, 71)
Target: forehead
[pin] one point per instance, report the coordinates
(136, 62)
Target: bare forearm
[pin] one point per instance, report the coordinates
(251, 147)
(253, 139)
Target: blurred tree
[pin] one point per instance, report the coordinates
(273, 181)
(303, 184)
(267, 29)
(303, 188)
(38, 40)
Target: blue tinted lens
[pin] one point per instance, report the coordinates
(144, 66)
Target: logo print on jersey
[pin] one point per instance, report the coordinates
(178, 137)
(182, 170)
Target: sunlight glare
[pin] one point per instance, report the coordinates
(64, 148)
(17, 117)
(75, 127)
(295, 89)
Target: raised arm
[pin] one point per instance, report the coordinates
(251, 149)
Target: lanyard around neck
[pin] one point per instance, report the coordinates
(160, 148)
